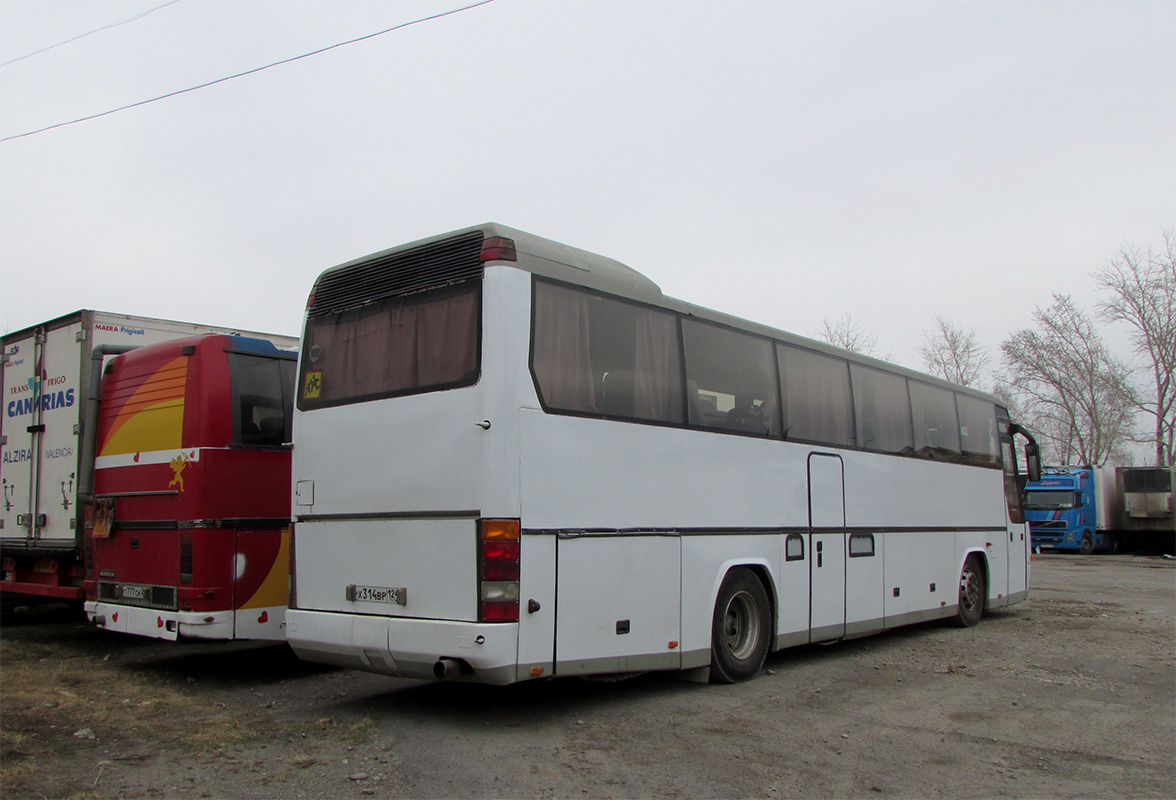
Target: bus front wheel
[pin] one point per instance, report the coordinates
(741, 628)
(973, 588)
(1087, 546)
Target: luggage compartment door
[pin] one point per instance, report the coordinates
(619, 600)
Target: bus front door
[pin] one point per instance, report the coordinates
(826, 492)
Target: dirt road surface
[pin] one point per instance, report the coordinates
(1071, 694)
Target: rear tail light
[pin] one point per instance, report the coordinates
(497, 248)
(498, 570)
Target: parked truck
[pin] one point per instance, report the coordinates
(1145, 515)
(1073, 508)
(46, 384)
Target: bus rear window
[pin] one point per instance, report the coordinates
(396, 346)
(262, 399)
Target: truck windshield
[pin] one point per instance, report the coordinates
(399, 345)
(1049, 500)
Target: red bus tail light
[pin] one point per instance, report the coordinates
(498, 248)
(499, 547)
(500, 551)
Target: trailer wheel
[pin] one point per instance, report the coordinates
(740, 628)
(973, 590)
(1087, 546)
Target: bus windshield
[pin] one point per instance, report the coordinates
(396, 346)
(1049, 500)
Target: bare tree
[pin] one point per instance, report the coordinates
(1142, 287)
(953, 353)
(1071, 389)
(847, 333)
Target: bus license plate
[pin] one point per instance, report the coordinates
(134, 592)
(378, 594)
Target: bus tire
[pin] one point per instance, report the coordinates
(740, 629)
(973, 589)
(1087, 546)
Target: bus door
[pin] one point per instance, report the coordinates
(1013, 575)
(826, 492)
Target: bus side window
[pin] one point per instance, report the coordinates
(736, 378)
(882, 410)
(817, 402)
(601, 356)
(977, 430)
(937, 428)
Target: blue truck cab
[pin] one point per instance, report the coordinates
(1070, 509)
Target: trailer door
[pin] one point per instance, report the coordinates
(42, 395)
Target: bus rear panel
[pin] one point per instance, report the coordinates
(190, 529)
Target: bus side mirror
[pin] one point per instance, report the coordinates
(1033, 461)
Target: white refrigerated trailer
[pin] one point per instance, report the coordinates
(1146, 509)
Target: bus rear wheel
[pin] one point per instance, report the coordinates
(740, 629)
(973, 589)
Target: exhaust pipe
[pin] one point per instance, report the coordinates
(90, 418)
(447, 668)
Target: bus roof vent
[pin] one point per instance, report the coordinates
(389, 274)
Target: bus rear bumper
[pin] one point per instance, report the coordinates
(160, 624)
(406, 648)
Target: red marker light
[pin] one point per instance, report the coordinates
(498, 248)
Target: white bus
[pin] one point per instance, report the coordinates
(516, 460)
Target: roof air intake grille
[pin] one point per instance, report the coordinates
(431, 266)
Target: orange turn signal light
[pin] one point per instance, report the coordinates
(500, 529)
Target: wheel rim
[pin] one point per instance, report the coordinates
(741, 626)
(969, 590)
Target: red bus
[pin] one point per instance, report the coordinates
(189, 531)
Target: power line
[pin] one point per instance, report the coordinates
(249, 71)
(90, 33)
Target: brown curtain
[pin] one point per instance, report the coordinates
(397, 345)
(657, 384)
(563, 366)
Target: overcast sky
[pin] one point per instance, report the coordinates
(787, 162)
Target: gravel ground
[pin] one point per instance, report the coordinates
(1071, 694)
